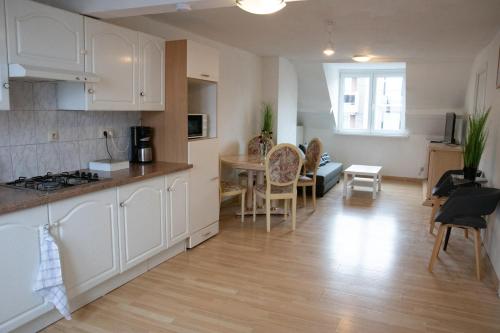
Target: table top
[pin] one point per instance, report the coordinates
(363, 169)
(246, 162)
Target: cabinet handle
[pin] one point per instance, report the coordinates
(171, 189)
(77, 78)
(142, 93)
(205, 75)
(91, 91)
(122, 204)
(206, 234)
(6, 85)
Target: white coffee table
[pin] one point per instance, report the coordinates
(363, 174)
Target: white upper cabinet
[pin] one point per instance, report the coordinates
(4, 73)
(202, 62)
(141, 221)
(44, 36)
(86, 229)
(19, 246)
(112, 54)
(151, 73)
(178, 207)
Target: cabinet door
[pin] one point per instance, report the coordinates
(87, 232)
(45, 36)
(204, 183)
(4, 74)
(141, 221)
(152, 73)
(112, 54)
(178, 207)
(202, 62)
(19, 246)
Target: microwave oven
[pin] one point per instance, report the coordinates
(197, 125)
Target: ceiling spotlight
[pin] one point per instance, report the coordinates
(261, 7)
(329, 51)
(362, 58)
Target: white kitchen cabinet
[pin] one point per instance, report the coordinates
(178, 207)
(204, 184)
(202, 62)
(112, 54)
(4, 72)
(86, 229)
(141, 221)
(19, 260)
(44, 36)
(151, 73)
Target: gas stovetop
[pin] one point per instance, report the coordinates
(52, 182)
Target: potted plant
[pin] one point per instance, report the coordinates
(267, 120)
(475, 141)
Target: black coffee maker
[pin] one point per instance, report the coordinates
(141, 145)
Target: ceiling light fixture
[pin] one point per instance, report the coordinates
(261, 7)
(329, 51)
(362, 58)
(183, 7)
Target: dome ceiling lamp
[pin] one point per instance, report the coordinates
(261, 7)
(329, 50)
(362, 57)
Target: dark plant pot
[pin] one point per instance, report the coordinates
(470, 173)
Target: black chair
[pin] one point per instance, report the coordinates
(444, 187)
(465, 208)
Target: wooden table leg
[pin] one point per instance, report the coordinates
(260, 181)
(251, 176)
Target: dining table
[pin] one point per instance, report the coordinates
(255, 166)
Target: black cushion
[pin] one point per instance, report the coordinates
(303, 148)
(470, 221)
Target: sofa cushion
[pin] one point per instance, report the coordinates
(329, 171)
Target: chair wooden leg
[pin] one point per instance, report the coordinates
(268, 214)
(285, 211)
(304, 199)
(435, 208)
(254, 205)
(294, 212)
(437, 246)
(477, 246)
(314, 196)
(466, 233)
(243, 207)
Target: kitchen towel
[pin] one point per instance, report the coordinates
(49, 282)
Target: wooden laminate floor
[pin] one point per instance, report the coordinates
(355, 266)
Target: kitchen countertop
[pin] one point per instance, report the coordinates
(12, 199)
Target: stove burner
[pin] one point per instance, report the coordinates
(51, 182)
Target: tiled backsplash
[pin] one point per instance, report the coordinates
(25, 149)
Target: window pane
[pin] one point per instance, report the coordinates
(388, 103)
(356, 102)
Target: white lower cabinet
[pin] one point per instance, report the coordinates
(19, 260)
(86, 229)
(178, 207)
(141, 221)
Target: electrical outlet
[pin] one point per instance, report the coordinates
(53, 136)
(110, 132)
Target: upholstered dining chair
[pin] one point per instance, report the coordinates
(311, 165)
(253, 148)
(228, 189)
(283, 164)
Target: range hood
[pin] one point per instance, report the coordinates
(37, 73)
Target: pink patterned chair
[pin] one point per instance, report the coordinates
(283, 164)
(253, 148)
(311, 165)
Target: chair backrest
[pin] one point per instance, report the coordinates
(313, 155)
(253, 147)
(469, 201)
(283, 164)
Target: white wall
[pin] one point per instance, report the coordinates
(433, 89)
(280, 88)
(239, 86)
(490, 162)
(287, 102)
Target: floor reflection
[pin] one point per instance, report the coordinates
(368, 242)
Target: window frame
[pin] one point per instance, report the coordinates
(372, 74)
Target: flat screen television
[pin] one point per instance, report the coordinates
(449, 129)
